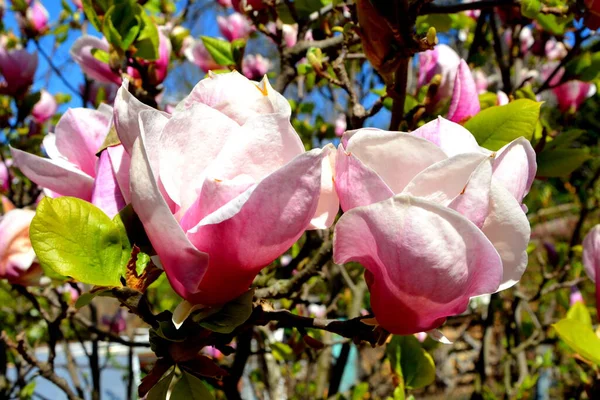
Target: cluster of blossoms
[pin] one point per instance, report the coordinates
(224, 186)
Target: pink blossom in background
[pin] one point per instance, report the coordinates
(225, 3)
(434, 218)
(18, 67)
(591, 259)
(78, 4)
(73, 169)
(575, 296)
(36, 18)
(502, 98)
(196, 53)
(442, 60)
(234, 26)
(81, 52)
(255, 66)
(4, 177)
(465, 100)
(340, 125)
(481, 81)
(116, 323)
(555, 50)
(17, 259)
(202, 181)
(526, 39)
(571, 95)
(290, 34)
(161, 66)
(45, 108)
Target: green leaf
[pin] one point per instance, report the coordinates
(560, 162)
(564, 139)
(189, 387)
(232, 315)
(441, 22)
(487, 100)
(160, 390)
(579, 312)
(219, 49)
(411, 361)
(282, 351)
(530, 8)
(554, 24)
(496, 126)
(121, 24)
(580, 338)
(147, 41)
(87, 297)
(75, 238)
(90, 13)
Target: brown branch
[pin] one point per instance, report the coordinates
(45, 370)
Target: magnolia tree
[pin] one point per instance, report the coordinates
(301, 199)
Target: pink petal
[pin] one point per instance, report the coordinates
(502, 98)
(184, 264)
(515, 167)
(445, 180)
(474, 200)
(507, 227)
(424, 261)
(58, 176)
(329, 203)
(126, 111)
(591, 259)
(465, 101)
(396, 156)
(257, 227)
(121, 162)
(107, 195)
(451, 137)
(81, 52)
(189, 142)
(356, 184)
(16, 253)
(79, 134)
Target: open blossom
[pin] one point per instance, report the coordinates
(203, 178)
(17, 66)
(443, 61)
(465, 100)
(434, 218)
(91, 66)
(255, 66)
(591, 259)
(44, 108)
(17, 258)
(571, 95)
(234, 26)
(340, 125)
(73, 169)
(196, 52)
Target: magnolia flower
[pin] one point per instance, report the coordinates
(591, 259)
(224, 3)
(159, 68)
(502, 98)
(526, 39)
(223, 186)
(78, 4)
(35, 20)
(17, 258)
(116, 323)
(255, 66)
(196, 52)
(73, 169)
(434, 219)
(575, 296)
(481, 81)
(4, 177)
(234, 26)
(82, 54)
(340, 125)
(17, 66)
(555, 50)
(465, 101)
(290, 34)
(442, 60)
(571, 95)
(44, 108)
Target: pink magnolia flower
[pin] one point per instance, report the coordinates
(4, 177)
(255, 66)
(82, 53)
(203, 182)
(555, 50)
(290, 34)
(161, 66)
(17, 258)
(571, 95)
(442, 60)
(234, 26)
(196, 52)
(17, 66)
(78, 4)
(465, 100)
(35, 20)
(340, 125)
(434, 218)
(575, 296)
(224, 3)
(481, 81)
(591, 259)
(526, 39)
(116, 323)
(502, 98)
(45, 108)
(73, 169)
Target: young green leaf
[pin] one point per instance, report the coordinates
(411, 361)
(232, 315)
(580, 337)
(219, 49)
(190, 388)
(75, 238)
